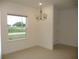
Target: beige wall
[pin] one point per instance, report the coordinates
(67, 28)
(11, 46)
(0, 34)
(45, 29)
(56, 25)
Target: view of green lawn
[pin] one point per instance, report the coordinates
(16, 29)
(14, 36)
(16, 32)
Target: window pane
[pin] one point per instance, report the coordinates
(16, 27)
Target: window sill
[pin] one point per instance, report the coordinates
(17, 39)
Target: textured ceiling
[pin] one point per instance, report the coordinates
(58, 3)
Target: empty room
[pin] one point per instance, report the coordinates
(39, 29)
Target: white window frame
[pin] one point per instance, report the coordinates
(26, 35)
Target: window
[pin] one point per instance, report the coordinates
(17, 27)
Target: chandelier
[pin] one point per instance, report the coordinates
(42, 16)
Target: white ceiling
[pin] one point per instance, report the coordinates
(58, 3)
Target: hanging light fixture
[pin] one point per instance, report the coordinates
(42, 16)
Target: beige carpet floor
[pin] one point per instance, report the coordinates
(59, 52)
